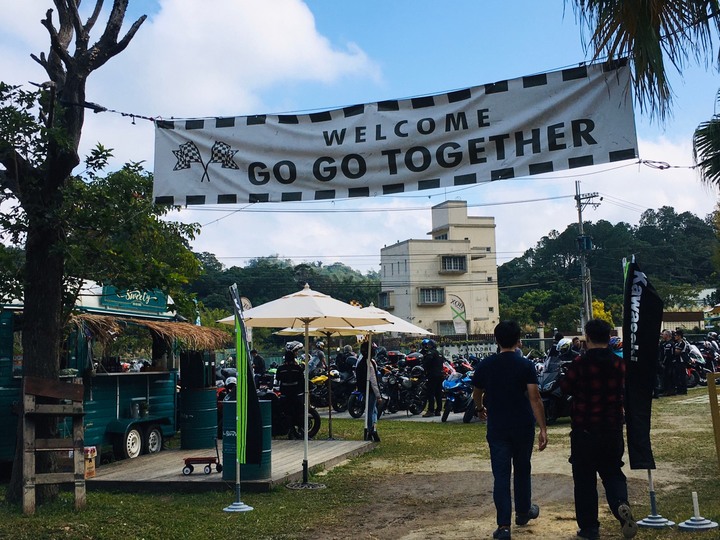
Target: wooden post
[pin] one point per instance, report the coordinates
(714, 409)
(64, 392)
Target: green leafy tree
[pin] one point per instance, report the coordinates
(656, 35)
(599, 312)
(39, 143)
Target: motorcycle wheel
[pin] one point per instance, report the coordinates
(446, 410)
(469, 413)
(340, 404)
(393, 406)
(356, 406)
(551, 412)
(693, 379)
(417, 405)
(313, 424)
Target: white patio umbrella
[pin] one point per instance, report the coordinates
(301, 309)
(393, 324)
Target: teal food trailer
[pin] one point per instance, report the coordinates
(130, 352)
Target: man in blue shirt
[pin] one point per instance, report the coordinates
(506, 393)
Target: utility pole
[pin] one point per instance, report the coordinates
(584, 245)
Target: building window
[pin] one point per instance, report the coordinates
(434, 296)
(491, 309)
(446, 328)
(453, 263)
(490, 278)
(385, 300)
(441, 236)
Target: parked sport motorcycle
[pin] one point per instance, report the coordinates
(458, 394)
(555, 401)
(286, 422)
(406, 390)
(341, 386)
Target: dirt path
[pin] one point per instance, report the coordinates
(452, 499)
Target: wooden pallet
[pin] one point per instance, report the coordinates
(69, 397)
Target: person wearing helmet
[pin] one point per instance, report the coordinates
(291, 378)
(564, 354)
(506, 393)
(616, 346)
(345, 361)
(554, 350)
(596, 382)
(320, 354)
(432, 363)
(231, 387)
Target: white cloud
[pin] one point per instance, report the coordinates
(229, 57)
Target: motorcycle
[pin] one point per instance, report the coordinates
(341, 388)
(458, 389)
(555, 401)
(286, 422)
(405, 390)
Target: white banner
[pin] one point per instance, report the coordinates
(457, 306)
(520, 127)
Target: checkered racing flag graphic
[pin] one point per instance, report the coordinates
(221, 153)
(187, 154)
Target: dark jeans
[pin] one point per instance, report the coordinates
(594, 453)
(434, 393)
(510, 452)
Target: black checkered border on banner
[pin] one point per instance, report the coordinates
(570, 74)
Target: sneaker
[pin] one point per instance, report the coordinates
(502, 532)
(438, 413)
(532, 513)
(589, 534)
(629, 526)
(375, 436)
(428, 414)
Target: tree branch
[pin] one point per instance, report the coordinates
(93, 18)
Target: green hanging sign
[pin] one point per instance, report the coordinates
(152, 301)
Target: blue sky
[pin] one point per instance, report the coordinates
(235, 57)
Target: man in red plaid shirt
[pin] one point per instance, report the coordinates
(596, 382)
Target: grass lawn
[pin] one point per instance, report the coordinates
(682, 441)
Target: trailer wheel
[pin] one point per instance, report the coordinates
(130, 445)
(207, 469)
(219, 467)
(153, 439)
(187, 470)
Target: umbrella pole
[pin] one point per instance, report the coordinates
(305, 484)
(329, 382)
(307, 403)
(367, 433)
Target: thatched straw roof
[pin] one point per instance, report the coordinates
(192, 337)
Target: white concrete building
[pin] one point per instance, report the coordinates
(428, 282)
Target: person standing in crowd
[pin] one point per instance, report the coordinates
(258, 366)
(664, 378)
(291, 378)
(554, 349)
(576, 346)
(432, 363)
(596, 382)
(363, 374)
(506, 393)
(320, 353)
(681, 355)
